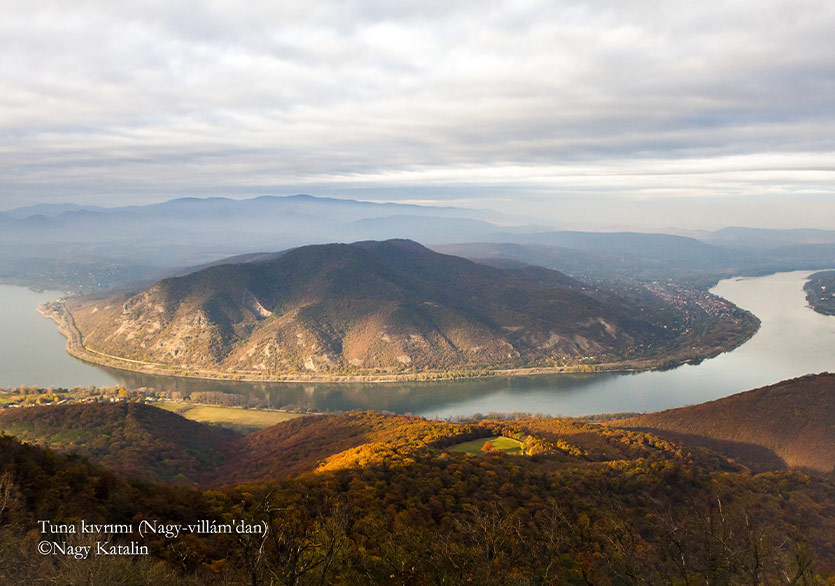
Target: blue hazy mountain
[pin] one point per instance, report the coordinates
(85, 247)
(192, 230)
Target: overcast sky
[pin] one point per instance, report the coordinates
(691, 114)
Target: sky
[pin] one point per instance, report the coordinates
(662, 113)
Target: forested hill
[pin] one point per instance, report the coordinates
(130, 438)
(793, 419)
(397, 499)
(393, 306)
(146, 442)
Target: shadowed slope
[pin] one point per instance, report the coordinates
(794, 419)
(131, 438)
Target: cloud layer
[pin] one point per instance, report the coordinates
(143, 100)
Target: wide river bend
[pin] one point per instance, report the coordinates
(793, 341)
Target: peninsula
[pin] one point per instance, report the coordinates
(392, 310)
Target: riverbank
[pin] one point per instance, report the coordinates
(685, 353)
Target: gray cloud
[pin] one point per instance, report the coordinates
(145, 100)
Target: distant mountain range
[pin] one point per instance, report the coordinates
(644, 257)
(189, 230)
(392, 305)
(84, 248)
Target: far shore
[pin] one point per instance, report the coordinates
(60, 314)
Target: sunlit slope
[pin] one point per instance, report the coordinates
(327, 443)
(151, 443)
(420, 515)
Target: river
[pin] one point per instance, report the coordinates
(793, 341)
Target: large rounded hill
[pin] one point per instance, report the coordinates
(393, 306)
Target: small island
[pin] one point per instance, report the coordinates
(820, 292)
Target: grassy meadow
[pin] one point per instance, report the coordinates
(236, 418)
(500, 443)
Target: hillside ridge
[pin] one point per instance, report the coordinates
(374, 309)
(393, 499)
(793, 419)
(130, 438)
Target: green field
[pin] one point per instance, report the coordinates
(500, 443)
(236, 418)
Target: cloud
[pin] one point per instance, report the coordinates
(128, 99)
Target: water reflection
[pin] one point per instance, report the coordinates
(405, 397)
(792, 341)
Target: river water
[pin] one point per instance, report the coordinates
(793, 341)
